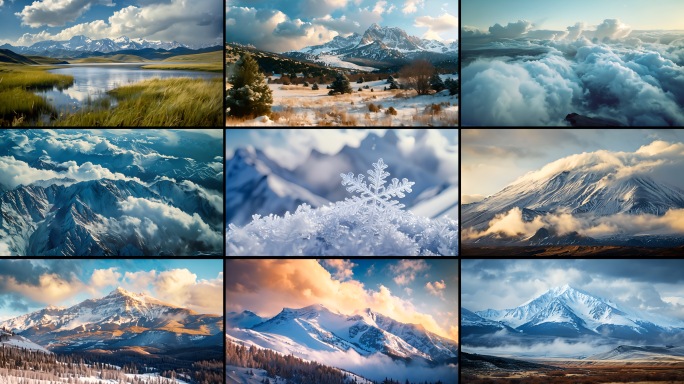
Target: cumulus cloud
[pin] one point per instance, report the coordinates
(299, 283)
(411, 6)
(405, 270)
(55, 13)
(612, 29)
(550, 79)
(105, 277)
(163, 227)
(436, 288)
(274, 31)
(193, 23)
(442, 23)
(343, 268)
(511, 30)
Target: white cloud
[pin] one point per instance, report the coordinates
(380, 7)
(104, 278)
(55, 13)
(4, 248)
(406, 270)
(411, 6)
(436, 288)
(197, 22)
(612, 29)
(165, 227)
(442, 23)
(343, 268)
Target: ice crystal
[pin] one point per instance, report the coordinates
(375, 197)
(370, 223)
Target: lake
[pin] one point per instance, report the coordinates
(92, 81)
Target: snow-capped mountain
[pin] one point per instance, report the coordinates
(378, 44)
(73, 219)
(316, 328)
(82, 43)
(569, 312)
(120, 319)
(258, 185)
(8, 339)
(592, 188)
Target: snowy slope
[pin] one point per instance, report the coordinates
(17, 341)
(309, 330)
(592, 187)
(443, 204)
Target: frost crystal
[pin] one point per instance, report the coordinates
(367, 224)
(376, 197)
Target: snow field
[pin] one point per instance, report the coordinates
(296, 105)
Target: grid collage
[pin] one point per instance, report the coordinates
(341, 191)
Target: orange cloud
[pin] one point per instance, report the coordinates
(266, 286)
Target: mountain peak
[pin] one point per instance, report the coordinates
(375, 26)
(119, 291)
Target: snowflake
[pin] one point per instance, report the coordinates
(376, 197)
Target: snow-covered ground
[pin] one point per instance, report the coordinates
(130, 378)
(23, 343)
(296, 105)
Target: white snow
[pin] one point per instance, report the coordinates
(296, 105)
(336, 61)
(444, 204)
(22, 342)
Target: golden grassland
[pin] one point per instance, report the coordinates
(157, 102)
(569, 373)
(17, 101)
(208, 61)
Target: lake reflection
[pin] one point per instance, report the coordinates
(92, 81)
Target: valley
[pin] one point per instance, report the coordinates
(375, 64)
(110, 83)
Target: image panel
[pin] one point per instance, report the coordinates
(582, 64)
(560, 321)
(117, 192)
(343, 63)
(334, 320)
(342, 192)
(571, 192)
(154, 63)
(116, 321)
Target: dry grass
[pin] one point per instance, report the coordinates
(158, 102)
(206, 67)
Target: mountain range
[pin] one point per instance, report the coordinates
(567, 312)
(378, 46)
(590, 190)
(119, 321)
(309, 330)
(83, 46)
(259, 185)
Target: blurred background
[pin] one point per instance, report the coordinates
(276, 170)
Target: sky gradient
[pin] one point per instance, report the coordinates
(283, 25)
(411, 291)
(30, 285)
(652, 285)
(558, 14)
(493, 158)
(195, 23)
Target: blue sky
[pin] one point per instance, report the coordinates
(197, 22)
(30, 285)
(282, 25)
(411, 291)
(559, 14)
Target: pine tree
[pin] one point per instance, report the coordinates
(436, 82)
(453, 86)
(340, 84)
(315, 87)
(249, 95)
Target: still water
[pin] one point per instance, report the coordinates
(92, 81)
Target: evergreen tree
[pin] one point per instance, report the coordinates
(454, 86)
(436, 82)
(249, 95)
(340, 84)
(360, 80)
(390, 79)
(315, 87)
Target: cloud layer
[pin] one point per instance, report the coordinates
(521, 76)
